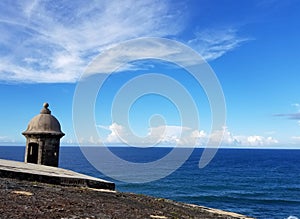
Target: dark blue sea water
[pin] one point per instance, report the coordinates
(258, 183)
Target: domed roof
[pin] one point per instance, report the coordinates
(44, 123)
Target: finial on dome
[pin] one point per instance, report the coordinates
(46, 105)
(45, 109)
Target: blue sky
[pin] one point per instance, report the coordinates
(252, 46)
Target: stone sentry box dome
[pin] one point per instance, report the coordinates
(43, 136)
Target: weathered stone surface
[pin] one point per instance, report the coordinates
(20, 199)
(44, 123)
(43, 136)
(51, 175)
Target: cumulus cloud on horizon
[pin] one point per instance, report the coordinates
(181, 136)
(6, 139)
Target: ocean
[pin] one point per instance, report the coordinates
(262, 183)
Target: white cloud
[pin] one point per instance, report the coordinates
(69, 142)
(184, 136)
(230, 139)
(53, 41)
(213, 43)
(93, 140)
(6, 139)
(257, 140)
(296, 138)
(29, 7)
(89, 141)
(3, 137)
(160, 134)
(297, 105)
(117, 134)
(225, 135)
(171, 135)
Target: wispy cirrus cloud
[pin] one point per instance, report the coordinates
(46, 41)
(293, 116)
(213, 43)
(53, 41)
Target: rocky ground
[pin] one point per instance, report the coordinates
(22, 199)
